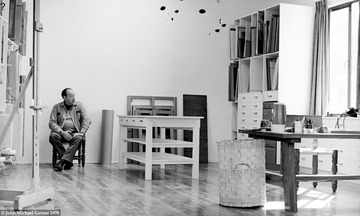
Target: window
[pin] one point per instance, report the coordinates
(343, 30)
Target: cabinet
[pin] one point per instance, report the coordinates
(348, 150)
(4, 26)
(13, 24)
(348, 155)
(10, 79)
(273, 65)
(161, 158)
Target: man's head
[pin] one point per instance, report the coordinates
(68, 95)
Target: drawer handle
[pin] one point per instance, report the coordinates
(270, 96)
(302, 158)
(340, 164)
(243, 106)
(255, 105)
(340, 150)
(255, 96)
(255, 113)
(243, 97)
(255, 120)
(320, 161)
(243, 112)
(242, 120)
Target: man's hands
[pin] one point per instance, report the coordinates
(78, 134)
(68, 135)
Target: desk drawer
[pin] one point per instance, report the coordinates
(325, 162)
(249, 112)
(347, 152)
(250, 96)
(248, 126)
(242, 136)
(305, 161)
(349, 166)
(249, 120)
(257, 105)
(270, 95)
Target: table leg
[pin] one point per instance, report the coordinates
(195, 151)
(297, 165)
(334, 169)
(148, 151)
(289, 178)
(315, 167)
(162, 149)
(122, 146)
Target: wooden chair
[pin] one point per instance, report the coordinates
(80, 156)
(315, 159)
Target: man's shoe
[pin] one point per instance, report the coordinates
(68, 166)
(58, 166)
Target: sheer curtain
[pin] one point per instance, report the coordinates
(358, 70)
(320, 75)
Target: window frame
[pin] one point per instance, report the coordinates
(350, 42)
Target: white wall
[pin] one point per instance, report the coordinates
(106, 50)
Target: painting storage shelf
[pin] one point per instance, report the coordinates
(279, 58)
(4, 25)
(149, 158)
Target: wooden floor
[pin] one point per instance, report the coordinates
(106, 190)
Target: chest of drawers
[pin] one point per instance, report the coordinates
(250, 106)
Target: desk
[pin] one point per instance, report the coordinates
(288, 158)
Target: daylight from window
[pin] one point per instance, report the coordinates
(343, 58)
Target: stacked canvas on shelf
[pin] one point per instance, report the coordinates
(272, 73)
(256, 36)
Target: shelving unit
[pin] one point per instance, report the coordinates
(278, 68)
(12, 36)
(161, 158)
(4, 26)
(290, 77)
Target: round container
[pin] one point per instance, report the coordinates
(298, 127)
(279, 114)
(277, 128)
(242, 172)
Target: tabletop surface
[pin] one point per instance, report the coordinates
(160, 117)
(289, 135)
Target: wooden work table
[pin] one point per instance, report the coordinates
(161, 158)
(288, 159)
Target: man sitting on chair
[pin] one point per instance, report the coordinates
(68, 123)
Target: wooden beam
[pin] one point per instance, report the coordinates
(9, 195)
(318, 177)
(273, 173)
(326, 177)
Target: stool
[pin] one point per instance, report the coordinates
(315, 153)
